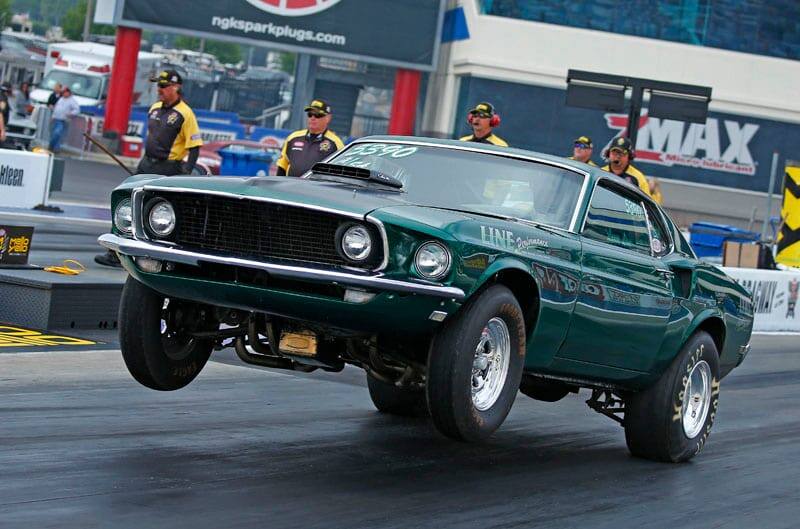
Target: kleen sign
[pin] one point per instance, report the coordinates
(668, 142)
(293, 8)
(24, 178)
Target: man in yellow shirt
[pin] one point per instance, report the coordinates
(619, 157)
(305, 147)
(582, 150)
(172, 131)
(483, 119)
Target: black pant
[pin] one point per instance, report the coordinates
(149, 165)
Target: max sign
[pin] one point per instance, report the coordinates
(717, 145)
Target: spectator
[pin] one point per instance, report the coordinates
(65, 109)
(53, 99)
(5, 111)
(582, 150)
(23, 99)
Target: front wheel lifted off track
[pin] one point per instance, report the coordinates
(155, 337)
(475, 366)
(671, 420)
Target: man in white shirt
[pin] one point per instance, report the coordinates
(66, 108)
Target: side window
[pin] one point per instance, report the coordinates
(660, 240)
(618, 220)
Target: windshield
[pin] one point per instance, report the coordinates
(80, 85)
(471, 181)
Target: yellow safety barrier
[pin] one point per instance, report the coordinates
(789, 234)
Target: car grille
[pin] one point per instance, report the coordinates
(255, 229)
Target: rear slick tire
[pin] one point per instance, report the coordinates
(154, 340)
(671, 420)
(475, 366)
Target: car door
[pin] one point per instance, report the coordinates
(625, 295)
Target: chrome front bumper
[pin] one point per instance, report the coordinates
(139, 248)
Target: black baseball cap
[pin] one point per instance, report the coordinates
(621, 144)
(583, 140)
(483, 109)
(319, 106)
(167, 77)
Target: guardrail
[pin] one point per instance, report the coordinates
(775, 294)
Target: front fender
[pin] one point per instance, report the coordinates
(500, 265)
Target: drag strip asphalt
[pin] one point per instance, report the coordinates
(83, 445)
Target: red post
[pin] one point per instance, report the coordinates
(404, 102)
(123, 75)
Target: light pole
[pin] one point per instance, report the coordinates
(87, 21)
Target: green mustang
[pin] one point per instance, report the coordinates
(454, 274)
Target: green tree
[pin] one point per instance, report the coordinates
(224, 51)
(72, 23)
(5, 13)
(288, 61)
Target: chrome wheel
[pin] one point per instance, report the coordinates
(490, 365)
(696, 399)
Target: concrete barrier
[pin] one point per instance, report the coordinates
(775, 295)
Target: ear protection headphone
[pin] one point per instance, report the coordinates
(494, 121)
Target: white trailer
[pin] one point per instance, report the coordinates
(86, 68)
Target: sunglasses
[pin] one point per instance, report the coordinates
(315, 115)
(620, 151)
(583, 146)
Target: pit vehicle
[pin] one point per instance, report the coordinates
(454, 274)
(85, 67)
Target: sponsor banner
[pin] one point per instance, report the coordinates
(15, 245)
(269, 137)
(727, 150)
(213, 131)
(774, 297)
(24, 178)
(210, 131)
(402, 33)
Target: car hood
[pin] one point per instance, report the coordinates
(351, 199)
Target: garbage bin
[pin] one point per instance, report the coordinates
(245, 162)
(707, 239)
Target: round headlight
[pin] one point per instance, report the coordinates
(162, 218)
(356, 243)
(432, 260)
(123, 216)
